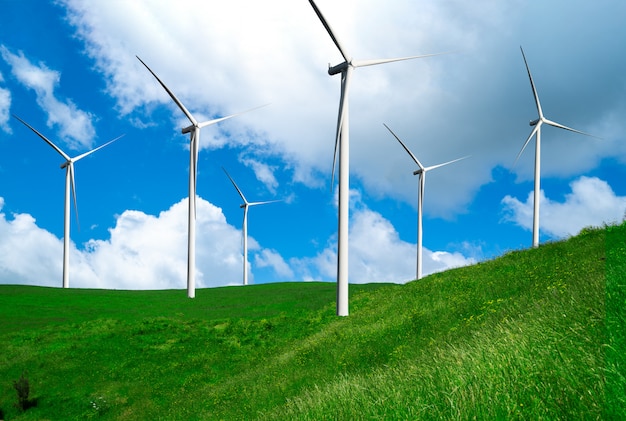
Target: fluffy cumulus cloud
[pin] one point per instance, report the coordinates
(376, 253)
(591, 202)
(150, 252)
(28, 254)
(74, 125)
(272, 259)
(143, 252)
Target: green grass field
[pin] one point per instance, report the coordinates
(535, 334)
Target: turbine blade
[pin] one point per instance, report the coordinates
(535, 129)
(93, 150)
(263, 203)
(343, 52)
(419, 164)
(171, 94)
(244, 225)
(236, 187)
(49, 142)
(560, 126)
(70, 168)
(217, 120)
(363, 63)
(532, 85)
(445, 163)
(194, 151)
(343, 100)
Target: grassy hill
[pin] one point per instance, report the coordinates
(535, 334)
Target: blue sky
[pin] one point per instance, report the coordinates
(68, 68)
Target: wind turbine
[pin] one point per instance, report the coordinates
(68, 165)
(194, 134)
(537, 130)
(342, 142)
(245, 205)
(420, 196)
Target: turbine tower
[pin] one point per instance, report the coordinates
(245, 205)
(537, 130)
(194, 134)
(68, 165)
(420, 196)
(342, 145)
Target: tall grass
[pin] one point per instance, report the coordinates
(536, 334)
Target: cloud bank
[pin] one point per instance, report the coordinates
(591, 202)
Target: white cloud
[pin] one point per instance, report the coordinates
(74, 125)
(591, 202)
(5, 106)
(143, 252)
(28, 254)
(263, 172)
(376, 253)
(476, 101)
(150, 252)
(271, 258)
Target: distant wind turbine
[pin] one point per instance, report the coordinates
(245, 205)
(537, 130)
(69, 183)
(342, 142)
(194, 133)
(420, 196)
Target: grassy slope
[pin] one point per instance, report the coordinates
(534, 334)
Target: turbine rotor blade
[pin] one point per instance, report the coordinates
(445, 163)
(535, 130)
(532, 85)
(49, 142)
(343, 100)
(363, 63)
(217, 120)
(343, 52)
(73, 187)
(560, 126)
(93, 150)
(263, 203)
(194, 146)
(236, 187)
(171, 94)
(419, 164)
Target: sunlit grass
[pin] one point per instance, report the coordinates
(536, 334)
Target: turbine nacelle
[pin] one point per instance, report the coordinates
(65, 164)
(416, 172)
(188, 129)
(534, 122)
(338, 68)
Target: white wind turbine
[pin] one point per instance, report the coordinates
(194, 133)
(342, 142)
(420, 196)
(68, 165)
(537, 130)
(245, 205)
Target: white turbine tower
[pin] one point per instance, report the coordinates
(420, 196)
(342, 142)
(194, 133)
(245, 205)
(537, 130)
(68, 165)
